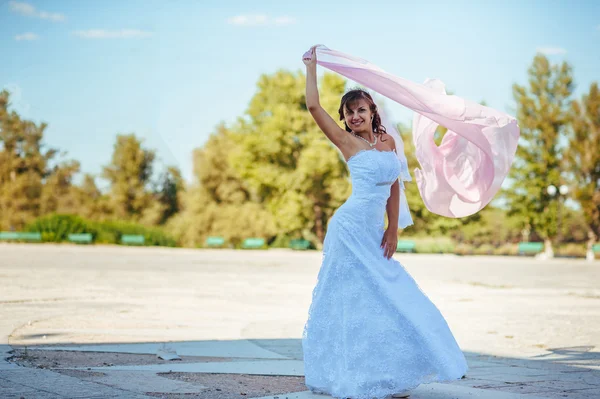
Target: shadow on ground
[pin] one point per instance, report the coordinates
(228, 369)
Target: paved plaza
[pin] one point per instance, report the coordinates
(103, 322)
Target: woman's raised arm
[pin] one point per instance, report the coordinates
(331, 129)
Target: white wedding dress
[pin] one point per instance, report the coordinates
(371, 331)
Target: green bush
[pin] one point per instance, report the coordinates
(507, 249)
(57, 227)
(280, 241)
(571, 250)
(110, 232)
(433, 245)
(484, 249)
(284, 241)
(463, 249)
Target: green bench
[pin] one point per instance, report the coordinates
(20, 236)
(80, 238)
(253, 243)
(132, 239)
(300, 244)
(596, 248)
(406, 246)
(214, 241)
(525, 248)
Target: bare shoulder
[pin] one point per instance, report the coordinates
(389, 141)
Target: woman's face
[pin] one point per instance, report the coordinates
(358, 116)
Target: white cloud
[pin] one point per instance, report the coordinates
(259, 20)
(112, 34)
(551, 50)
(248, 20)
(26, 36)
(22, 8)
(282, 21)
(30, 11)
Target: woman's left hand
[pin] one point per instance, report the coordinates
(310, 57)
(389, 242)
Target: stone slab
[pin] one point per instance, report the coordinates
(145, 381)
(261, 367)
(426, 391)
(238, 348)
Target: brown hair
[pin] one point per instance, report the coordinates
(350, 98)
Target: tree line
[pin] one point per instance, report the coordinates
(273, 174)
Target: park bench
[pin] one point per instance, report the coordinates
(532, 248)
(595, 250)
(253, 243)
(406, 246)
(80, 238)
(20, 236)
(214, 241)
(300, 244)
(132, 239)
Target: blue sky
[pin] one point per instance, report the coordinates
(170, 71)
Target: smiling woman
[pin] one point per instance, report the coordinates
(371, 332)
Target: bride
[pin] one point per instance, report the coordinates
(371, 331)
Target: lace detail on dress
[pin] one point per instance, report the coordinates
(371, 330)
(366, 150)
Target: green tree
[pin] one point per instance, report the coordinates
(219, 202)
(543, 115)
(58, 191)
(166, 198)
(583, 156)
(214, 172)
(91, 203)
(129, 174)
(286, 160)
(32, 179)
(170, 189)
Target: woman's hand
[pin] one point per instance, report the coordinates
(389, 242)
(310, 57)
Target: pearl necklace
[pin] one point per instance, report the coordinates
(365, 140)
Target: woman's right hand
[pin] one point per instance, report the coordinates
(310, 57)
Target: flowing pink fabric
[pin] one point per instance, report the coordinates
(461, 175)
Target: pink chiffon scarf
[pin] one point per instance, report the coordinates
(460, 176)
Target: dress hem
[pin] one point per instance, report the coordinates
(387, 395)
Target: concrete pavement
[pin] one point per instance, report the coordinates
(529, 329)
